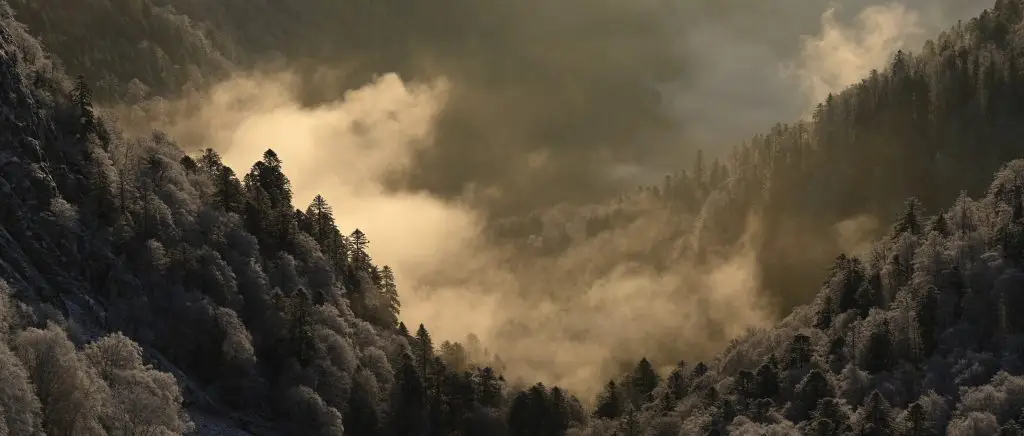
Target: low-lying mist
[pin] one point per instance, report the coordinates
(570, 317)
(563, 319)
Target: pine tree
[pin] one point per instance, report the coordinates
(876, 416)
(389, 289)
(228, 190)
(489, 388)
(744, 385)
(210, 161)
(81, 98)
(831, 409)
(823, 317)
(301, 330)
(642, 382)
(558, 405)
(270, 176)
(403, 331)
(812, 389)
(188, 164)
(408, 398)
(609, 403)
(698, 371)
(916, 422)
(848, 272)
(423, 349)
(868, 297)
(799, 352)
(676, 383)
(908, 221)
(767, 381)
(321, 218)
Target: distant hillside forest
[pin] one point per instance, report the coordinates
(150, 291)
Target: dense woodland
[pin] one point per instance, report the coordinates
(151, 291)
(930, 125)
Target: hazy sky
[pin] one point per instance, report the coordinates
(770, 61)
(579, 94)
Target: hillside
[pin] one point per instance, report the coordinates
(918, 336)
(235, 311)
(147, 289)
(929, 124)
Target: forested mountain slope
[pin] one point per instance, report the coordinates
(930, 124)
(126, 49)
(239, 313)
(267, 318)
(919, 336)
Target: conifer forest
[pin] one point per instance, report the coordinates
(511, 217)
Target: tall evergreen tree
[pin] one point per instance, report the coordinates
(876, 416)
(321, 217)
(359, 243)
(909, 221)
(642, 383)
(81, 98)
(407, 401)
(389, 289)
(423, 349)
(609, 402)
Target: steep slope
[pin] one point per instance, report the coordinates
(929, 124)
(220, 282)
(128, 49)
(45, 304)
(919, 336)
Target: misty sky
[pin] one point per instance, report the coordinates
(577, 100)
(744, 48)
(570, 102)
